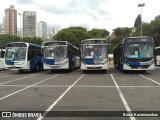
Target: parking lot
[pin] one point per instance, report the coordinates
(84, 96)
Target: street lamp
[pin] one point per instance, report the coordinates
(141, 5)
(20, 25)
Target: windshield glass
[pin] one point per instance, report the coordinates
(55, 52)
(16, 53)
(139, 50)
(94, 51)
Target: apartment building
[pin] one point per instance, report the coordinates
(29, 23)
(10, 21)
(41, 29)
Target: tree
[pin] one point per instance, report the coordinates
(137, 21)
(34, 40)
(72, 34)
(99, 33)
(146, 30)
(123, 31)
(7, 38)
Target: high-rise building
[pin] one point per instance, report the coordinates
(42, 29)
(10, 21)
(29, 23)
(56, 30)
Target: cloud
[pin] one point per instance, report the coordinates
(25, 2)
(90, 8)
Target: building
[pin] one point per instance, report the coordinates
(1, 29)
(41, 30)
(56, 30)
(10, 21)
(29, 23)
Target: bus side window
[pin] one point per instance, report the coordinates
(2, 54)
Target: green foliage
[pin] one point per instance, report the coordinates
(137, 21)
(150, 29)
(72, 34)
(76, 34)
(111, 48)
(7, 38)
(34, 40)
(123, 31)
(99, 33)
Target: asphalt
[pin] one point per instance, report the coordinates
(93, 95)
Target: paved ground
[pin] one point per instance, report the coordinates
(77, 95)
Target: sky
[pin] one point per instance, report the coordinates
(101, 14)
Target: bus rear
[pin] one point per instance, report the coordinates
(94, 54)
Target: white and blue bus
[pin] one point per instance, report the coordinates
(60, 55)
(23, 56)
(2, 63)
(94, 54)
(157, 55)
(135, 53)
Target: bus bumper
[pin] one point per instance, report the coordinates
(126, 67)
(94, 67)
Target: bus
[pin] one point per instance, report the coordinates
(59, 55)
(135, 53)
(23, 56)
(94, 54)
(157, 55)
(2, 64)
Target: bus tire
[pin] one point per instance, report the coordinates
(71, 67)
(105, 71)
(20, 71)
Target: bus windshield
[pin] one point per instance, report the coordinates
(55, 52)
(139, 50)
(94, 51)
(16, 53)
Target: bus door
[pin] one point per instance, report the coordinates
(32, 58)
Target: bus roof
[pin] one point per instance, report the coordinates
(94, 41)
(138, 39)
(66, 43)
(25, 43)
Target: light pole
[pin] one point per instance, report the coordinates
(20, 26)
(141, 5)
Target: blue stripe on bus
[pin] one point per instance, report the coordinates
(89, 61)
(49, 61)
(9, 62)
(132, 63)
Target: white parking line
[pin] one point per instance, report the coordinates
(35, 85)
(60, 97)
(150, 79)
(27, 87)
(122, 97)
(5, 76)
(17, 79)
(83, 86)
